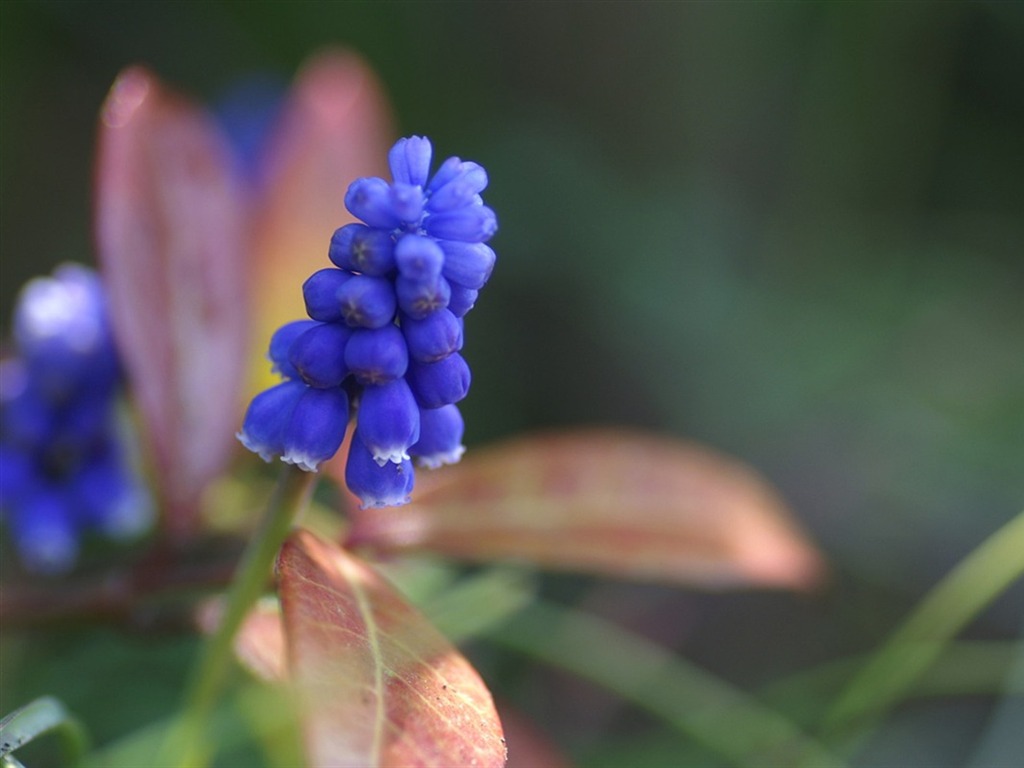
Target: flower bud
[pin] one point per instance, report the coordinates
(281, 344)
(362, 249)
(267, 417)
(470, 224)
(318, 354)
(441, 383)
(316, 428)
(468, 264)
(369, 199)
(377, 356)
(418, 258)
(389, 421)
(367, 302)
(409, 160)
(375, 485)
(407, 202)
(418, 298)
(320, 292)
(433, 337)
(440, 440)
(461, 299)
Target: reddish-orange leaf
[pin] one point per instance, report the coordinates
(616, 503)
(171, 239)
(335, 127)
(380, 686)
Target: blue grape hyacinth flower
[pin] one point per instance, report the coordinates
(64, 467)
(386, 329)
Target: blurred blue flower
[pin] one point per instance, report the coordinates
(63, 463)
(386, 329)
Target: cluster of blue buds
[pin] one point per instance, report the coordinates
(385, 331)
(63, 468)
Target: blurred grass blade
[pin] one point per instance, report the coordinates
(981, 577)
(705, 708)
(480, 602)
(1003, 740)
(613, 502)
(976, 668)
(36, 718)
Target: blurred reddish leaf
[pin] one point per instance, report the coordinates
(171, 237)
(616, 503)
(380, 686)
(260, 643)
(335, 127)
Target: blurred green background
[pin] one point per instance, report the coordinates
(794, 232)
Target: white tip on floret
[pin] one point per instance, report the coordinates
(436, 460)
(303, 461)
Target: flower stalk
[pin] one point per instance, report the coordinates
(290, 497)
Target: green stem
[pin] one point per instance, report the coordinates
(913, 648)
(290, 496)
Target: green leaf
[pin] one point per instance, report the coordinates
(480, 602)
(36, 718)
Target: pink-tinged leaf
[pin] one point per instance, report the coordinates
(528, 747)
(171, 240)
(259, 642)
(616, 503)
(379, 685)
(335, 127)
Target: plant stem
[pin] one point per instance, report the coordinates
(290, 496)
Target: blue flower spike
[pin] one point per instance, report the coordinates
(389, 328)
(64, 468)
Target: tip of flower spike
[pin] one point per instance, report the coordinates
(410, 159)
